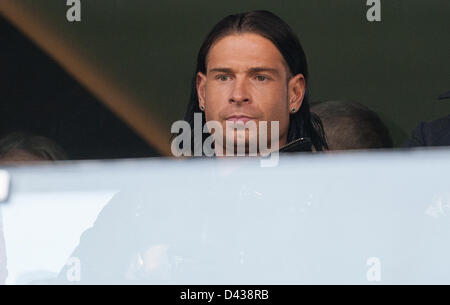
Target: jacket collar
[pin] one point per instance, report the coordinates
(299, 145)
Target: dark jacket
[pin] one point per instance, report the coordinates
(299, 145)
(435, 133)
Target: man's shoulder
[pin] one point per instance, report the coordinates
(433, 133)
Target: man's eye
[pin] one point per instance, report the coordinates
(222, 77)
(261, 78)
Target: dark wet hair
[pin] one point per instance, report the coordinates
(302, 124)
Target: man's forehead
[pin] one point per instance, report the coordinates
(244, 52)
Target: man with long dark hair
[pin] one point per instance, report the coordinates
(252, 67)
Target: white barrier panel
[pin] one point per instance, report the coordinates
(354, 218)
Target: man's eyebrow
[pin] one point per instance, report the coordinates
(223, 70)
(263, 69)
(251, 70)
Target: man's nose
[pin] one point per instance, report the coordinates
(240, 92)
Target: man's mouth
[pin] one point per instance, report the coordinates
(239, 118)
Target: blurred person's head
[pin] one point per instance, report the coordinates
(252, 67)
(21, 147)
(352, 126)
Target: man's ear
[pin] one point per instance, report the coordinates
(296, 92)
(201, 89)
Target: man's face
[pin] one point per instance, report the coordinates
(247, 79)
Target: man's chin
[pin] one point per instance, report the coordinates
(241, 143)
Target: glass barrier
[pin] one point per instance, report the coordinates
(334, 218)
